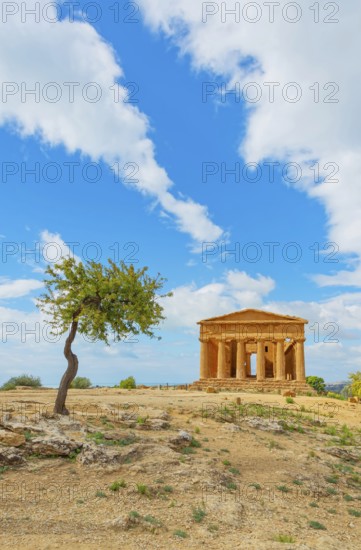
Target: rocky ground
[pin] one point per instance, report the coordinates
(179, 469)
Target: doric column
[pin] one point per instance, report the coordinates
(260, 360)
(241, 360)
(248, 364)
(221, 363)
(280, 361)
(204, 366)
(300, 360)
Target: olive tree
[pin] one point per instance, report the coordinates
(100, 301)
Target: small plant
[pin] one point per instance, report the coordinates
(234, 471)
(297, 482)
(332, 511)
(128, 383)
(226, 462)
(142, 419)
(273, 444)
(256, 486)
(180, 534)
(331, 479)
(198, 514)
(225, 450)
(116, 485)
(142, 489)
(331, 491)
(284, 538)
(152, 520)
(354, 512)
(133, 514)
(316, 525)
(314, 505)
(289, 400)
(283, 488)
(100, 494)
(197, 430)
(168, 489)
(80, 383)
(230, 485)
(348, 498)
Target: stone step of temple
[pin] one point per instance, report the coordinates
(253, 385)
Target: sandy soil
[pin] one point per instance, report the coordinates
(242, 484)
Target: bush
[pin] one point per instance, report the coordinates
(317, 383)
(80, 383)
(8, 386)
(22, 380)
(128, 383)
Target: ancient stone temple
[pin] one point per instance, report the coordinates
(253, 349)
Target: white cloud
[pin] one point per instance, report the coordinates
(237, 290)
(18, 288)
(109, 129)
(306, 53)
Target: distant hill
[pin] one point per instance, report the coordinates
(336, 386)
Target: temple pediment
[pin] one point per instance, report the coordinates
(254, 315)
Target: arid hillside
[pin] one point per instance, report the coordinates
(143, 469)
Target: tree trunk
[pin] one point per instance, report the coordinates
(70, 372)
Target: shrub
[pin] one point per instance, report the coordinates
(22, 380)
(8, 386)
(317, 383)
(128, 383)
(80, 383)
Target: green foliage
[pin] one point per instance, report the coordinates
(316, 525)
(317, 383)
(128, 383)
(289, 400)
(108, 302)
(334, 395)
(80, 383)
(22, 380)
(355, 386)
(284, 538)
(179, 533)
(198, 514)
(8, 386)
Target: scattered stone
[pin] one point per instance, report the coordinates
(353, 399)
(158, 424)
(231, 427)
(238, 400)
(210, 389)
(10, 456)
(11, 439)
(289, 393)
(344, 454)
(181, 440)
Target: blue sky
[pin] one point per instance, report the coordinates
(176, 139)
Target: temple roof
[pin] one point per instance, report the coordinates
(254, 315)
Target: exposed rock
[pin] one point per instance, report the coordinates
(103, 455)
(345, 454)
(289, 393)
(158, 424)
(181, 440)
(10, 456)
(11, 439)
(231, 427)
(265, 425)
(210, 389)
(54, 446)
(353, 399)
